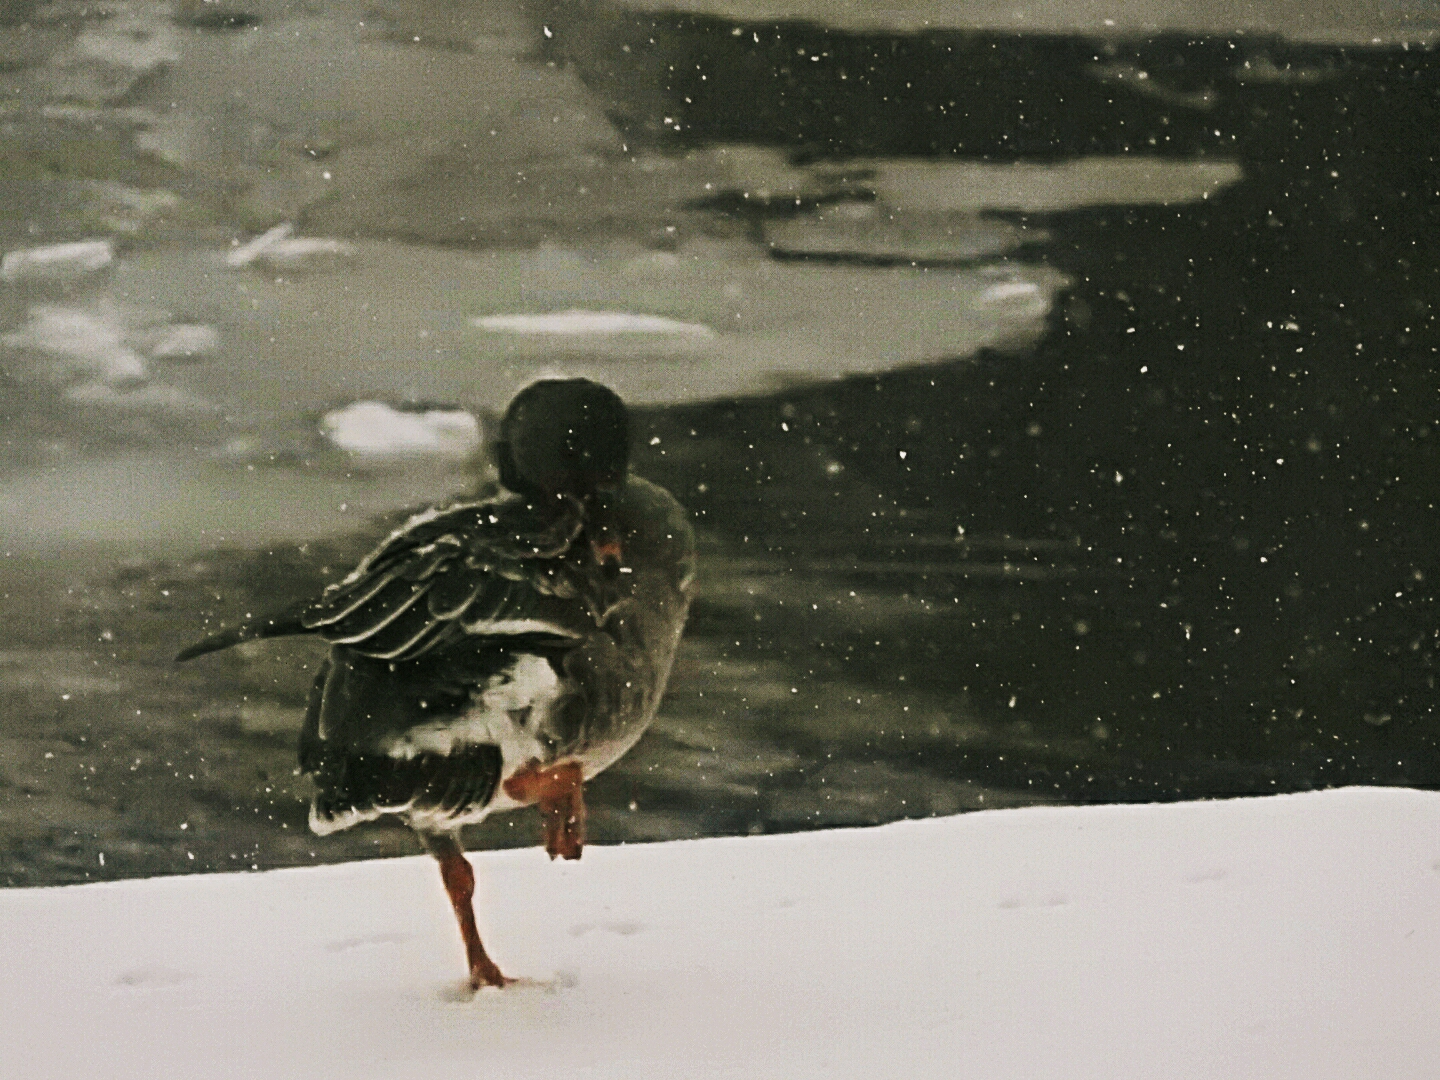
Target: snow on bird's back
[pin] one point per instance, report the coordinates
(375, 431)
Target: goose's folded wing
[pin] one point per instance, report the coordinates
(488, 569)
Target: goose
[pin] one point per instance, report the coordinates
(497, 653)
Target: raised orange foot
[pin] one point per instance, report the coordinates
(557, 789)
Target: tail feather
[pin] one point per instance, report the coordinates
(262, 627)
(353, 787)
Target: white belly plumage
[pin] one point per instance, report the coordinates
(510, 712)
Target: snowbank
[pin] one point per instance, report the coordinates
(1296, 936)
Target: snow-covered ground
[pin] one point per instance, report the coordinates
(1294, 936)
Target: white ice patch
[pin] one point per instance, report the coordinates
(122, 208)
(110, 55)
(68, 260)
(134, 43)
(279, 248)
(1011, 290)
(100, 350)
(507, 713)
(85, 342)
(376, 431)
(577, 322)
(184, 341)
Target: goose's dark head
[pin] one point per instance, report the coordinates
(567, 438)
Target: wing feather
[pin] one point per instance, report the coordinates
(489, 569)
(493, 568)
(452, 594)
(332, 608)
(489, 606)
(411, 638)
(365, 622)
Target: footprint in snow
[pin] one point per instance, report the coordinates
(460, 993)
(1201, 876)
(153, 978)
(370, 939)
(1051, 900)
(625, 928)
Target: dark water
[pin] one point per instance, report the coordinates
(1182, 546)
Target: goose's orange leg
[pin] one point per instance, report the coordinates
(459, 878)
(557, 789)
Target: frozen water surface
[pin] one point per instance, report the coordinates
(1054, 406)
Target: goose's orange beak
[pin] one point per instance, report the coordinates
(604, 531)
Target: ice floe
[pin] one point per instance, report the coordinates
(73, 259)
(184, 341)
(100, 353)
(140, 42)
(1092, 181)
(90, 115)
(870, 231)
(279, 247)
(83, 342)
(1004, 291)
(410, 321)
(110, 55)
(375, 431)
(916, 186)
(1295, 20)
(1262, 69)
(579, 322)
(1142, 82)
(122, 208)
